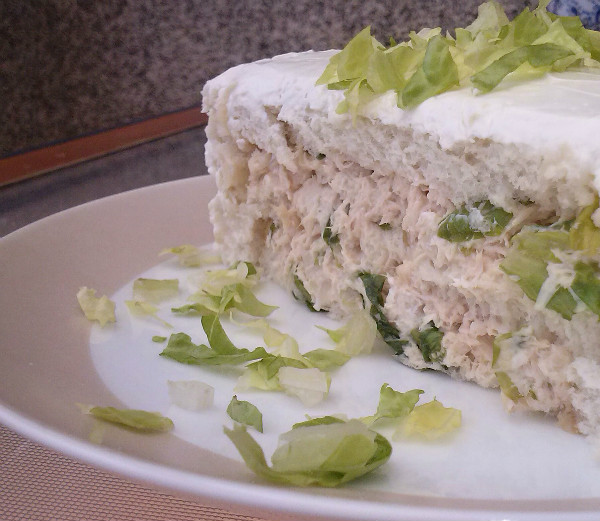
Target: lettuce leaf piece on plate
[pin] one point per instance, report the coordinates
(245, 413)
(394, 404)
(231, 296)
(221, 351)
(326, 359)
(326, 454)
(192, 395)
(430, 421)
(192, 256)
(155, 290)
(264, 373)
(356, 336)
(309, 384)
(101, 309)
(133, 418)
(139, 308)
(212, 282)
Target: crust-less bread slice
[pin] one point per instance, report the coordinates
(466, 224)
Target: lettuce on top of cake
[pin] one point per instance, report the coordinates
(480, 55)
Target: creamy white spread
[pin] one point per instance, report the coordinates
(555, 112)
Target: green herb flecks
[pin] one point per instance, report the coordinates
(302, 294)
(429, 342)
(374, 290)
(482, 219)
(328, 236)
(504, 347)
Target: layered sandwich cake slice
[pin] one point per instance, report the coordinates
(459, 208)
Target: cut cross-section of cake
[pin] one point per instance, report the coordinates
(467, 222)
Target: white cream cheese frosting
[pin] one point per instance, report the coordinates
(555, 110)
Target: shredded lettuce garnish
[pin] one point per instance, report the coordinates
(245, 301)
(301, 293)
(154, 290)
(356, 336)
(101, 309)
(192, 256)
(191, 395)
(326, 359)
(527, 260)
(210, 306)
(221, 351)
(583, 233)
(481, 55)
(285, 353)
(374, 291)
(394, 404)
(586, 285)
(310, 385)
(139, 308)
(264, 373)
(223, 290)
(505, 347)
(557, 266)
(324, 454)
(134, 418)
(479, 220)
(214, 281)
(280, 343)
(430, 421)
(245, 413)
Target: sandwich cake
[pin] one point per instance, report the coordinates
(448, 184)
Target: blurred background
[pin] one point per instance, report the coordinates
(73, 67)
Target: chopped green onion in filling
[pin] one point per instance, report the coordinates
(482, 219)
(329, 237)
(302, 294)
(374, 290)
(429, 342)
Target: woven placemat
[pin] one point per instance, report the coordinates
(38, 484)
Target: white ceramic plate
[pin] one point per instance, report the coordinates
(498, 466)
